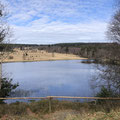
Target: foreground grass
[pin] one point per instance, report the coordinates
(68, 115)
(113, 115)
(61, 110)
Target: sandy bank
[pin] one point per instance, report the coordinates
(38, 55)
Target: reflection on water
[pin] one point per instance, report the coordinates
(51, 78)
(20, 93)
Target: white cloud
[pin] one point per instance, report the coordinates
(54, 21)
(58, 32)
(56, 8)
(19, 18)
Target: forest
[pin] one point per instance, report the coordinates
(99, 52)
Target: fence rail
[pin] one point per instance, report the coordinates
(20, 98)
(65, 97)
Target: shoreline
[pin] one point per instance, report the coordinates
(44, 60)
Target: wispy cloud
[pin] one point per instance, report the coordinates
(59, 32)
(55, 21)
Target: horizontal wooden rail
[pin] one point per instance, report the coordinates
(18, 98)
(97, 98)
(65, 97)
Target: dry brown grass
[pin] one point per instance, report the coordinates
(67, 115)
(37, 55)
(61, 110)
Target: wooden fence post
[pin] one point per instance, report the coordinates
(95, 102)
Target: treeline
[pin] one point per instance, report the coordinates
(100, 52)
(89, 50)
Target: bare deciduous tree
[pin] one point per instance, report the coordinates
(4, 28)
(113, 32)
(4, 34)
(107, 76)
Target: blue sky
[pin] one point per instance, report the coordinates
(57, 21)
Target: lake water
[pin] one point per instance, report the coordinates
(52, 78)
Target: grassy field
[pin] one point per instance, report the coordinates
(36, 55)
(61, 110)
(67, 115)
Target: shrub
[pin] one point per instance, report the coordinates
(104, 92)
(6, 88)
(10, 57)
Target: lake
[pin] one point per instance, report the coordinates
(52, 78)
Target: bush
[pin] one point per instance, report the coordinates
(107, 104)
(6, 88)
(104, 92)
(10, 57)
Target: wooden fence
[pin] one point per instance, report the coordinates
(64, 97)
